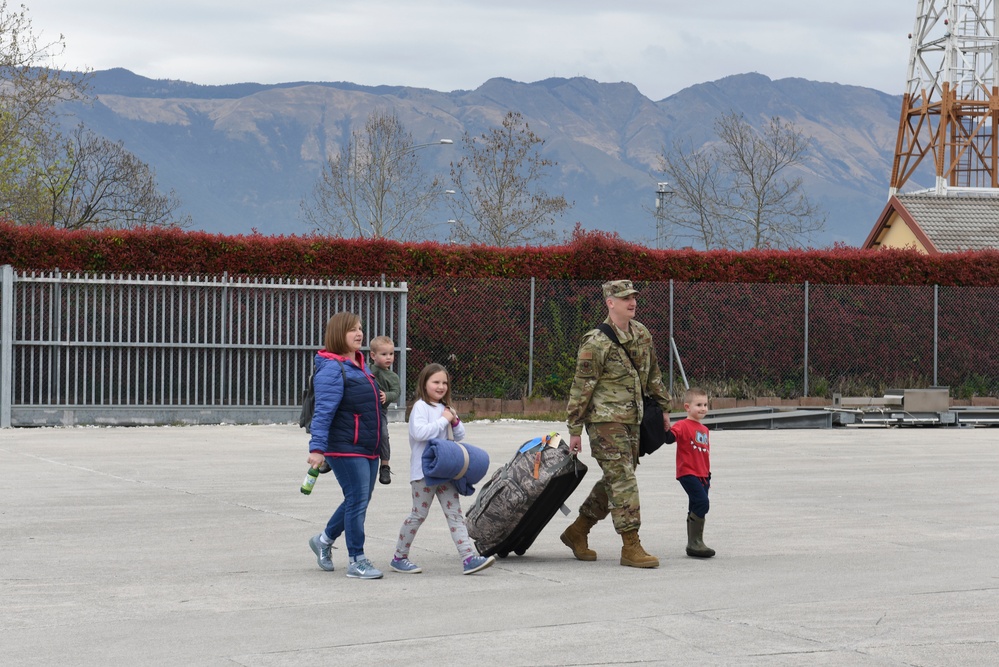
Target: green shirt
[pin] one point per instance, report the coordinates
(388, 382)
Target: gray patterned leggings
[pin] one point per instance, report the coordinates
(449, 499)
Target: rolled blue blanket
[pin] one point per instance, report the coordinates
(449, 461)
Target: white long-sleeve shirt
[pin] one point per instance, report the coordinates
(426, 422)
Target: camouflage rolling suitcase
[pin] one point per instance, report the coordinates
(519, 500)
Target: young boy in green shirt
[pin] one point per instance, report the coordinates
(382, 358)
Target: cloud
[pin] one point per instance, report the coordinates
(661, 47)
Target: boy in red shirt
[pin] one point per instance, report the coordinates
(693, 467)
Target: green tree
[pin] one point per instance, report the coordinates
(499, 199)
(46, 178)
(31, 88)
(375, 187)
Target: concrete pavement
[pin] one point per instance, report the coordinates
(188, 546)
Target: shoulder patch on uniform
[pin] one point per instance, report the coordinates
(586, 354)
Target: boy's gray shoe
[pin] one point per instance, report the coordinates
(363, 569)
(322, 552)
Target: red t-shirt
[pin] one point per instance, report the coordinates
(692, 448)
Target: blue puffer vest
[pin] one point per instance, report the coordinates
(347, 420)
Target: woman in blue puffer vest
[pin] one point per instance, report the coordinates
(346, 433)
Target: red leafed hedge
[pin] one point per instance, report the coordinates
(588, 256)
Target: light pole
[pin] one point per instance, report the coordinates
(416, 147)
(388, 166)
(451, 221)
(663, 195)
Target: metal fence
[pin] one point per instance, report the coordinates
(122, 349)
(516, 338)
(82, 348)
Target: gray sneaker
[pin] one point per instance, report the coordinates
(363, 569)
(475, 564)
(405, 566)
(322, 552)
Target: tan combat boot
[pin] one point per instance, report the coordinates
(695, 538)
(632, 553)
(574, 537)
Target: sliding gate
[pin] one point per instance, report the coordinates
(81, 348)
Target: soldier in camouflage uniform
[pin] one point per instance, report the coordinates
(606, 398)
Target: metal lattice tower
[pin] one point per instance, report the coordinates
(950, 109)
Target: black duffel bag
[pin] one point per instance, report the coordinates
(653, 434)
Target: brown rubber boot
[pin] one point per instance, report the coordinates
(632, 553)
(695, 538)
(574, 537)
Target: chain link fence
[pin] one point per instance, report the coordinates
(218, 348)
(518, 338)
(868, 338)
(968, 330)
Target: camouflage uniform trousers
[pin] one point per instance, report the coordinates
(615, 447)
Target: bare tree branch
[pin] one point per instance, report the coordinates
(498, 199)
(103, 185)
(375, 187)
(693, 211)
(736, 193)
(767, 208)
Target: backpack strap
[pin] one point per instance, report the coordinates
(609, 332)
(309, 398)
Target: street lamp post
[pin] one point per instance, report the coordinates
(416, 147)
(663, 195)
(451, 221)
(392, 157)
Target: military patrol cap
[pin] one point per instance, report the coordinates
(619, 289)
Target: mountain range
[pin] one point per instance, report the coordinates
(241, 157)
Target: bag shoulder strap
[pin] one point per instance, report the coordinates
(309, 398)
(310, 391)
(609, 332)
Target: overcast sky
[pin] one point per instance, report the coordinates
(660, 46)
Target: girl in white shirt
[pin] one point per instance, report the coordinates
(430, 417)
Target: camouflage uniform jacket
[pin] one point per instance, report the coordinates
(606, 387)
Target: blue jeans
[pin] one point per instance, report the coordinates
(357, 479)
(697, 493)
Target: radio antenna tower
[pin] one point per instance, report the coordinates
(950, 109)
